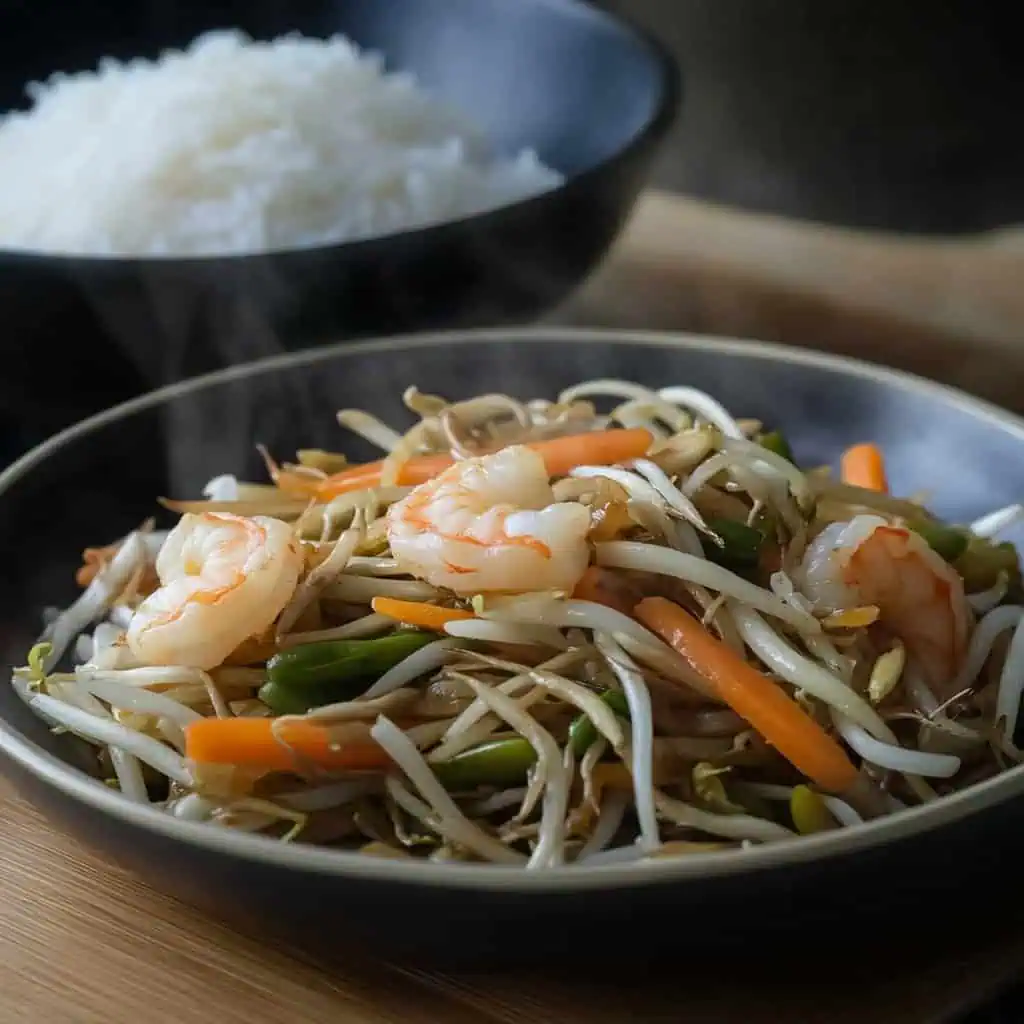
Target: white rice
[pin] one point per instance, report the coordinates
(241, 146)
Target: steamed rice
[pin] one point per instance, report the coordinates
(240, 146)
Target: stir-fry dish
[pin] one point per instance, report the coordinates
(539, 634)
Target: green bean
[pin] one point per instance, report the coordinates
(313, 675)
(741, 544)
(294, 700)
(949, 542)
(583, 732)
(501, 763)
(982, 562)
(775, 441)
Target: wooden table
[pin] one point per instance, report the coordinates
(951, 309)
(81, 942)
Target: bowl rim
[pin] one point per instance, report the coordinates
(271, 853)
(652, 130)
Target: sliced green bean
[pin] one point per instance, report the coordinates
(982, 562)
(501, 763)
(741, 544)
(583, 732)
(313, 675)
(949, 542)
(775, 441)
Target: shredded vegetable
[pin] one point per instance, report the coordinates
(752, 696)
(615, 625)
(864, 466)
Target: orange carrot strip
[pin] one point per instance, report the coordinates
(863, 465)
(360, 478)
(296, 485)
(753, 696)
(598, 448)
(418, 613)
(560, 454)
(252, 742)
(603, 586)
(93, 559)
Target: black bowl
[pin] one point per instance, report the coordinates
(592, 95)
(909, 871)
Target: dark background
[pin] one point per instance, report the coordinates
(900, 115)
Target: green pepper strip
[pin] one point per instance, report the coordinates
(583, 732)
(503, 762)
(982, 561)
(741, 544)
(313, 675)
(775, 441)
(948, 542)
(506, 762)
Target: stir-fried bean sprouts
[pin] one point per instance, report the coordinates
(425, 660)
(507, 633)
(781, 657)
(141, 701)
(456, 738)
(105, 731)
(455, 824)
(888, 755)
(649, 558)
(673, 497)
(985, 600)
(326, 572)
(597, 630)
(1011, 685)
(609, 821)
(96, 599)
(983, 639)
(728, 826)
(370, 428)
(369, 625)
(704, 406)
(997, 522)
(668, 411)
(192, 807)
(127, 770)
(641, 735)
(842, 811)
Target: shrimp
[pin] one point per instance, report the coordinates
(223, 579)
(491, 524)
(919, 597)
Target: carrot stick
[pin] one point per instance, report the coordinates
(93, 559)
(603, 586)
(753, 696)
(418, 613)
(255, 743)
(863, 465)
(560, 454)
(598, 448)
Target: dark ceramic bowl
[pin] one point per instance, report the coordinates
(592, 95)
(97, 480)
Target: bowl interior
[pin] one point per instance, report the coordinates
(99, 480)
(558, 76)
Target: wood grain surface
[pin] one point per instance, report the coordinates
(81, 942)
(950, 309)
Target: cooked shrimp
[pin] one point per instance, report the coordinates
(223, 579)
(491, 524)
(868, 561)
